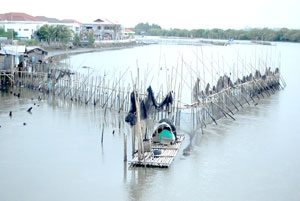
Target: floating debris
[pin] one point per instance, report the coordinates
(29, 109)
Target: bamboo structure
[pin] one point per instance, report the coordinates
(208, 104)
(77, 87)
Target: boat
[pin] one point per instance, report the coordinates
(164, 133)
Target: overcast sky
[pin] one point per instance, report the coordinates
(189, 14)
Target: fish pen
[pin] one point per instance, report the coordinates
(207, 107)
(76, 87)
(208, 102)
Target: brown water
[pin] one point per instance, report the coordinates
(58, 154)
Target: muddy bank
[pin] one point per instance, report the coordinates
(98, 47)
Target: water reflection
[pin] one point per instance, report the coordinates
(141, 182)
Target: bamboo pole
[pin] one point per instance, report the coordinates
(125, 147)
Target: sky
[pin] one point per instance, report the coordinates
(184, 14)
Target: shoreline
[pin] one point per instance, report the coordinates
(55, 53)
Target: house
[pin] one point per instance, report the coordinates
(73, 25)
(11, 56)
(36, 54)
(103, 29)
(7, 60)
(25, 25)
(128, 33)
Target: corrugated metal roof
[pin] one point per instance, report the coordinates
(7, 52)
(32, 48)
(14, 48)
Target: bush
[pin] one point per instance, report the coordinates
(29, 42)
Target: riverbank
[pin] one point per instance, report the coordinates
(98, 47)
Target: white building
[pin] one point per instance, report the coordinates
(103, 29)
(73, 25)
(128, 34)
(25, 25)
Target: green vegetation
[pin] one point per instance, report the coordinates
(58, 33)
(8, 33)
(76, 40)
(91, 39)
(264, 34)
(29, 42)
(146, 27)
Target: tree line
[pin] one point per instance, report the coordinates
(8, 34)
(54, 33)
(50, 33)
(265, 34)
(61, 33)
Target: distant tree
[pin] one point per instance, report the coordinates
(29, 42)
(265, 34)
(76, 40)
(293, 35)
(142, 27)
(91, 39)
(155, 26)
(230, 33)
(43, 33)
(2, 31)
(52, 33)
(197, 33)
(9, 34)
(63, 34)
(146, 27)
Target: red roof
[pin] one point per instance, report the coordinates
(129, 31)
(18, 17)
(71, 21)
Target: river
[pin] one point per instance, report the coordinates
(58, 154)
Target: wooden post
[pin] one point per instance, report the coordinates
(133, 140)
(125, 147)
(139, 131)
(102, 133)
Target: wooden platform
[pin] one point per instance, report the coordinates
(165, 159)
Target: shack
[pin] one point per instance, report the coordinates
(36, 55)
(7, 60)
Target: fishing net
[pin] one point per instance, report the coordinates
(147, 106)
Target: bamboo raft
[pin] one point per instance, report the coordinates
(165, 159)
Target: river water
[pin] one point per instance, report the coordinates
(58, 154)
